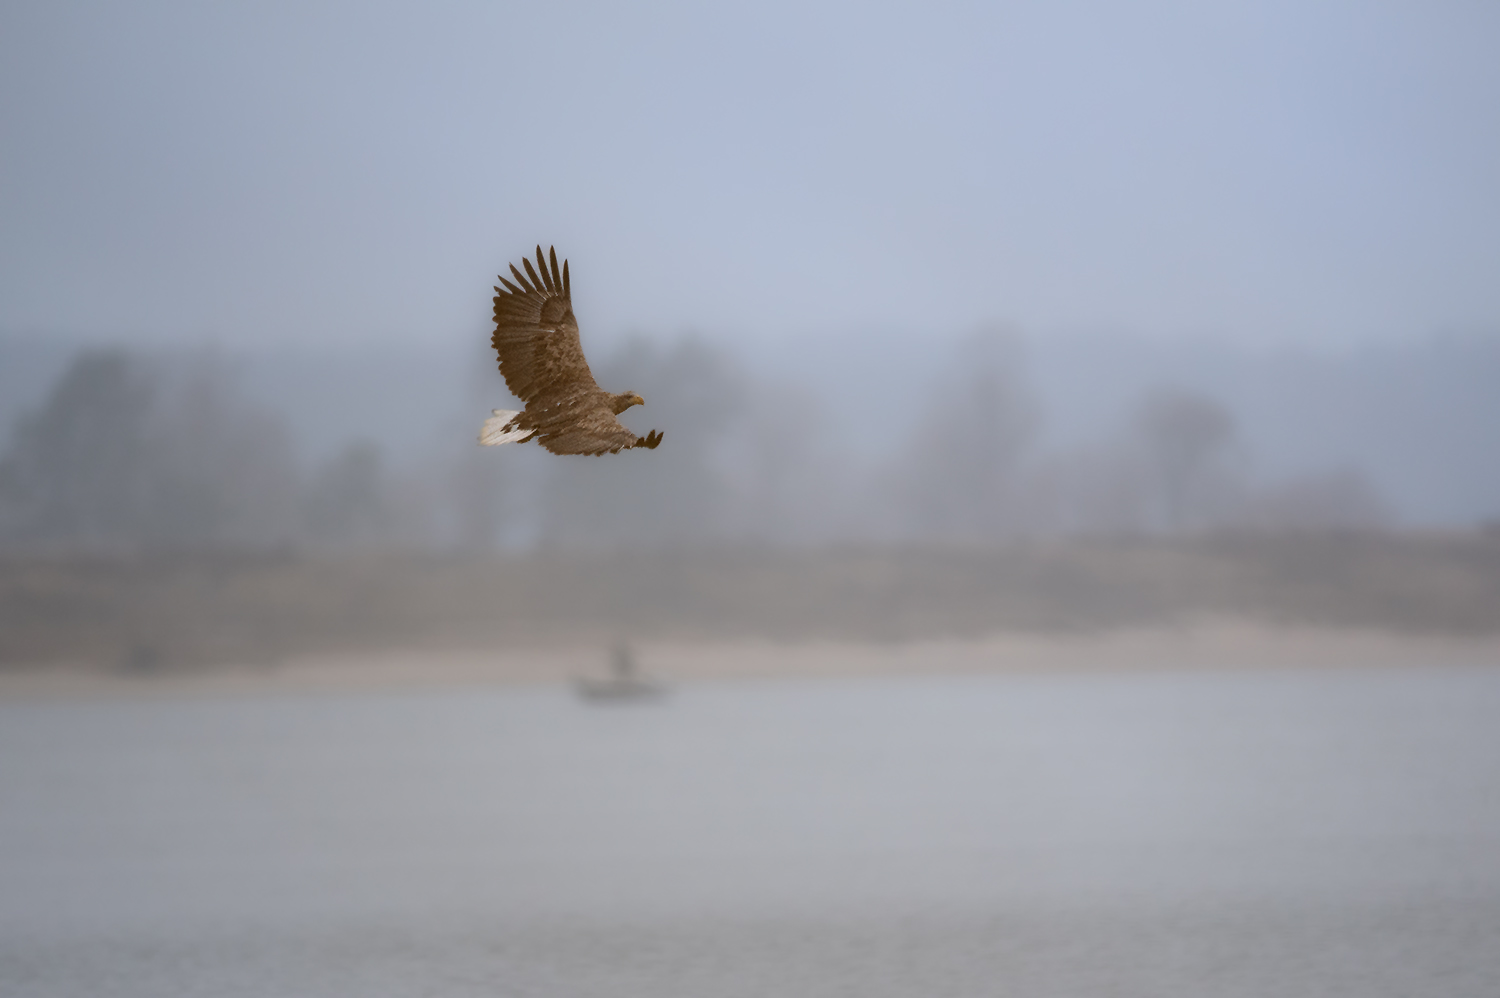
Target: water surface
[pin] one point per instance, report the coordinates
(1233, 833)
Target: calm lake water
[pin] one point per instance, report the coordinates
(1198, 834)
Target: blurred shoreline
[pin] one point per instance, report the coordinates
(1206, 601)
(1223, 644)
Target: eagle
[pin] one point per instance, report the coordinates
(536, 338)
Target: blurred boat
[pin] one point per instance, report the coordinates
(623, 683)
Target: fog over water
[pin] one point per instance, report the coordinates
(1243, 833)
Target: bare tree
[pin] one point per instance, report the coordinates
(792, 482)
(1336, 500)
(121, 455)
(222, 469)
(958, 472)
(1185, 439)
(77, 470)
(346, 498)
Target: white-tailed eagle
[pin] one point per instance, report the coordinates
(536, 337)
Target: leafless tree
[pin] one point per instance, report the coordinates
(957, 475)
(128, 454)
(223, 471)
(77, 470)
(346, 498)
(1185, 439)
(1344, 499)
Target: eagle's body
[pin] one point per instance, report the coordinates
(536, 337)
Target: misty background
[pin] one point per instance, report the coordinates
(985, 436)
(954, 272)
(1072, 565)
(891, 279)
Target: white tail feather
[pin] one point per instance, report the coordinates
(493, 433)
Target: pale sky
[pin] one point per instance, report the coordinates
(1305, 172)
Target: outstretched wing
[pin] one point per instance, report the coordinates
(536, 335)
(592, 429)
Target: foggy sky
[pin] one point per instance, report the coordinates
(1316, 173)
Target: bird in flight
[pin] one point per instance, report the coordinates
(536, 337)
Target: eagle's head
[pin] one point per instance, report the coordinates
(625, 400)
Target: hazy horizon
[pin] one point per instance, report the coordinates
(1389, 431)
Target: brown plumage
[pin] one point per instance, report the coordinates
(536, 337)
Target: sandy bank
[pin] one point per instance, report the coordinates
(1206, 644)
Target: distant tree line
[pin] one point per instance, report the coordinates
(129, 453)
(119, 456)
